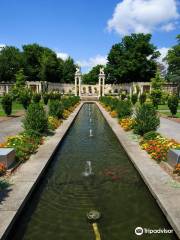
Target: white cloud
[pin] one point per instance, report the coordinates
(143, 16)
(2, 46)
(163, 51)
(62, 55)
(91, 62)
(168, 27)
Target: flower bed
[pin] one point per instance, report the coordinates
(2, 169)
(53, 123)
(113, 114)
(24, 145)
(177, 169)
(159, 147)
(127, 123)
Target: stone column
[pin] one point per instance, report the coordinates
(103, 85)
(7, 89)
(101, 82)
(75, 86)
(78, 76)
(80, 85)
(99, 92)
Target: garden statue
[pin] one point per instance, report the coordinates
(101, 70)
(77, 70)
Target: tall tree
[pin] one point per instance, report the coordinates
(92, 76)
(49, 70)
(10, 63)
(32, 54)
(132, 60)
(69, 69)
(173, 59)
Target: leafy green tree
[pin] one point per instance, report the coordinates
(35, 120)
(173, 102)
(132, 60)
(49, 70)
(20, 78)
(32, 54)
(25, 98)
(69, 69)
(173, 60)
(156, 92)
(92, 76)
(7, 104)
(19, 85)
(10, 63)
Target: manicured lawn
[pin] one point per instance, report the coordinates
(165, 107)
(169, 114)
(15, 108)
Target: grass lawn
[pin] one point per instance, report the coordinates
(169, 114)
(165, 107)
(15, 108)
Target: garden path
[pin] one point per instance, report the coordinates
(10, 127)
(169, 129)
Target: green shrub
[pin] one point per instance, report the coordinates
(150, 135)
(7, 104)
(36, 97)
(156, 96)
(123, 96)
(134, 98)
(124, 109)
(146, 119)
(173, 102)
(35, 119)
(142, 98)
(45, 97)
(56, 109)
(55, 95)
(25, 98)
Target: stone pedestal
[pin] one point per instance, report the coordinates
(78, 77)
(7, 156)
(101, 84)
(173, 157)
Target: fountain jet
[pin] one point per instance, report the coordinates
(88, 169)
(90, 133)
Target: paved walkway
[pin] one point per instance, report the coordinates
(10, 127)
(169, 129)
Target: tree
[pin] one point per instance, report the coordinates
(69, 69)
(49, 63)
(132, 60)
(20, 78)
(19, 86)
(156, 92)
(173, 59)
(173, 102)
(10, 63)
(32, 61)
(92, 76)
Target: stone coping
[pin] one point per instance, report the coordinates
(157, 180)
(27, 176)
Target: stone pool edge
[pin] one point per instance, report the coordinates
(26, 178)
(158, 181)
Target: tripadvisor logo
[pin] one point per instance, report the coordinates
(139, 231)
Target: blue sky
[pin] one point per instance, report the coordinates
(86, 29)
